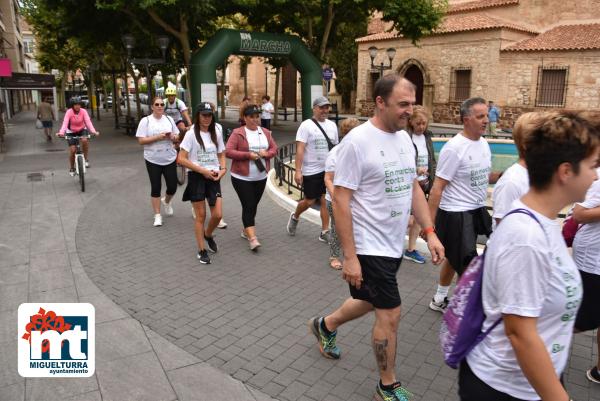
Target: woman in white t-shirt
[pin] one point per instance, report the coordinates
(202, 151)
(426, 165)
(586, 252)
(530, 281)
(157, 132)
(251, 149)
(335, 248)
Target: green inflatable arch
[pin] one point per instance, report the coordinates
(225, 42)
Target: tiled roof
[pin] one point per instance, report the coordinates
(456, 23)
(563, 37)
(478, 5)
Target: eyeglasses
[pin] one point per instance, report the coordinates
(159, 104)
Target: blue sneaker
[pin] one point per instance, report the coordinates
(326, 342)
(415, 256)
(398, 393)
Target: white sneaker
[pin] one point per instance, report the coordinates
(157, 220)
(222, 224)
(167, 206)
(87, 164)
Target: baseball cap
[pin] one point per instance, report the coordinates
(321, 101)
(204, 108)
(252, 109)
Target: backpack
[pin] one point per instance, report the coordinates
(463, 320)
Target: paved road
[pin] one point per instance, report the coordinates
(246, 313)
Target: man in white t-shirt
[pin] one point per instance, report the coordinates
(458, 198)
(314, 139)
(375, 189)
(267, 110)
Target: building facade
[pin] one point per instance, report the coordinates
(524, 55)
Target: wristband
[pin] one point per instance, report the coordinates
(428, 230)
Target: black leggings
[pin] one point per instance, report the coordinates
(471, 388)
(155, 171)
(249, 193)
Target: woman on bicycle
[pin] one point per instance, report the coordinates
(202, 152)
(156, 133)
(77, 123)
(251, 148)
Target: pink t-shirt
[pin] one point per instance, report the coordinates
(75, 122)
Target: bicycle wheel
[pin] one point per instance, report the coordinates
(180, 174)
(81, 167)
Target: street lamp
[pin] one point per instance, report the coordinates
(266, 80)
(391, 53)
(163, 44)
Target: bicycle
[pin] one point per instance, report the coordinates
(79, 157)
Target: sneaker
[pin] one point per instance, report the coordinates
(167, 206)
(222, 224)
(254, 244)
(292, 224)
(593, 375)
(398, 393)
(72, 172)
(324, 236)
(243, 235)
(414, 255)
(210, 242)
(157, 220)
(439, 306)
(203, 257)
(87, 164)
(326, 342)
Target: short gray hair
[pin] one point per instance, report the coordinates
(465, 107)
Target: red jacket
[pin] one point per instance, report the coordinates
(238, 151)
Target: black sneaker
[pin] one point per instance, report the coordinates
(593, 375)
(210, 242)
(203, 257)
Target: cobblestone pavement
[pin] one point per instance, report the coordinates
(246, 313)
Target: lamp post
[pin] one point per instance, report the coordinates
(163, 44)
(391, 52)
(266, 80)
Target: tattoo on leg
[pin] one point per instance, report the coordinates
(380, 348)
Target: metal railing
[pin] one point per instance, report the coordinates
(285, 169)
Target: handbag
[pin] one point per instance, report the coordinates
(38, 124)
(330, 144)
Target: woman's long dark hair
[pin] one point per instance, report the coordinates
(211, 130)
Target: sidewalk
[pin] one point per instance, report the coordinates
(39, 262)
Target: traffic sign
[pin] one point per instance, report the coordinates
(327, 74)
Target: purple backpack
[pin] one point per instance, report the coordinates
(464, 317)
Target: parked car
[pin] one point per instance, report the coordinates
(108, 102)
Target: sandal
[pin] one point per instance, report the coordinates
(335, 264)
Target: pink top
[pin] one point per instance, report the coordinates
(77, 121)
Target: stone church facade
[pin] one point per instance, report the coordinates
(524, 55)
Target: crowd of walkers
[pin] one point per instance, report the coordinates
(378, 181)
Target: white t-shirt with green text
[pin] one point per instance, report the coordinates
(422, 154)
(316, 149)
(528, 272)
(380, 168)
(466, 164)
(207, 157)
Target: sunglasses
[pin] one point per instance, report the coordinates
(159, 104)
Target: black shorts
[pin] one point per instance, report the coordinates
(314, 185)
(588, 316)
(47, 124)
(199, 189)
(458, 233)
(73, 142)
(379, 286)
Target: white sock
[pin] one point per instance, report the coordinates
(442, 292)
